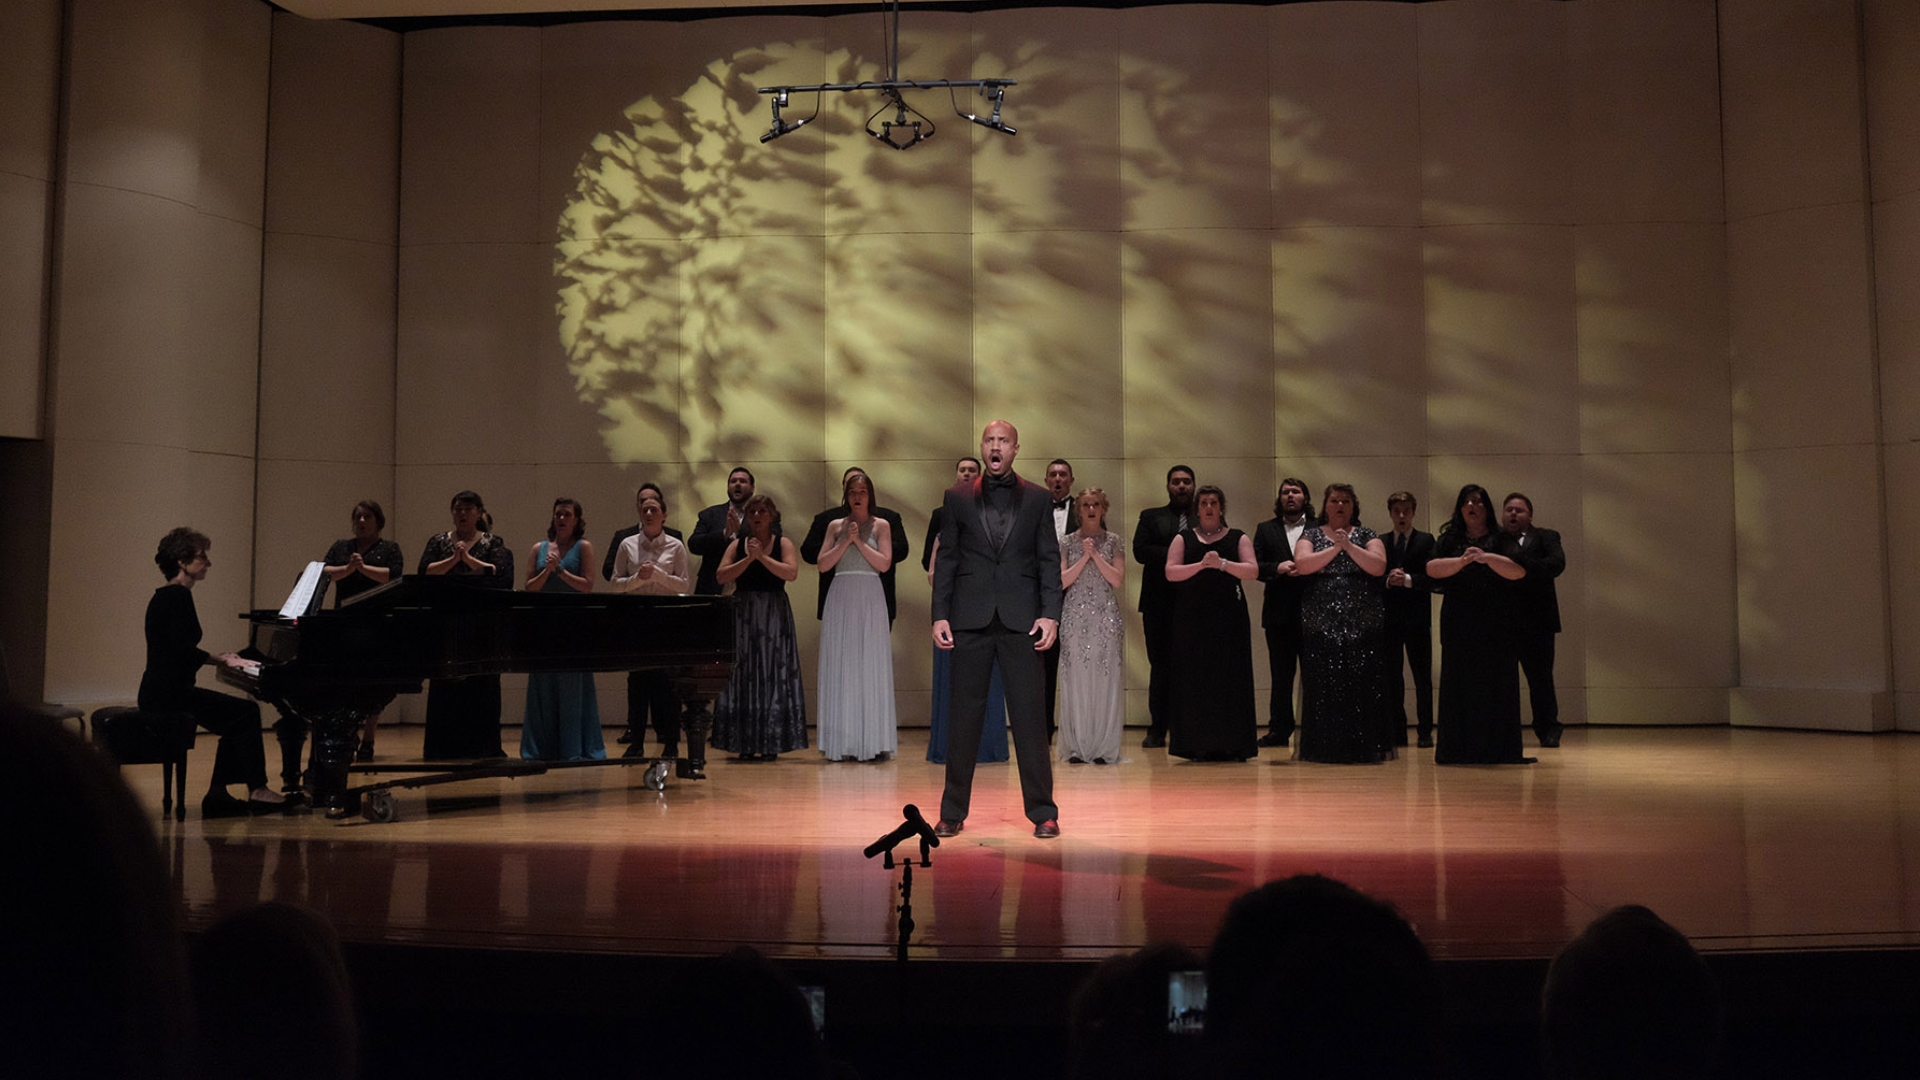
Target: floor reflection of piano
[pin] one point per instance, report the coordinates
(333, 668)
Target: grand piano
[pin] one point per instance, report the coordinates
(333, 668)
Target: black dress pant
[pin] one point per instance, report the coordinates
(1158, 626)
(1283, 659)
(1415, 643)
(1050, 661)
(974, 654)
(1536, 663)
(242, 754)
(651, 692)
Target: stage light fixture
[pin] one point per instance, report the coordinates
(909, 127)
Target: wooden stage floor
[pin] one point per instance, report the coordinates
(1745, 840)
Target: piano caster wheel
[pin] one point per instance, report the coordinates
(655, 778)
(380, 807)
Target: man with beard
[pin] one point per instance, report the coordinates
(1539, 612)
(717, 526)
(996, 598)
(1280, 612)
(1152, 536)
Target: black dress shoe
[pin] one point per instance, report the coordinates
(1550, 742)
(1153, 742)
(1273, 739)
(948, 827)
(1528, 761)
(635, 750)
(221, 804)
(625, 736)
(689, 769)
(1426, 742)
(1075, 760)
(1047, 830)
(671, 749)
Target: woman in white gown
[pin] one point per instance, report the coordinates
(1093, 569)
(856, 646)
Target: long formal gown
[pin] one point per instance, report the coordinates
(857, 717)
(463, 715)
(1211, 705)
(563, 712)
(1343, 621)
(993, 735)
(1092, 660)
(1479, 722)
(762, 711)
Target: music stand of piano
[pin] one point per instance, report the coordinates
(333, 668)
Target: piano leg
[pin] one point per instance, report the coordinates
(336, 735)
(695, 725)
(291, 731)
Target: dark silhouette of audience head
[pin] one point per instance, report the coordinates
(1629, 997)
(88, 940)
(735, 1015)
(1117, 1023)
(1310, 977)
(272, 997)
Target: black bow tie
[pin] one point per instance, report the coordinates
(1062, 504)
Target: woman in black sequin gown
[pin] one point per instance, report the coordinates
(1342, 631)
(1212, 700)
(1479, 664)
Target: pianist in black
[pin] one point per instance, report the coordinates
(463, 715)
(174, 658)
(365, 560)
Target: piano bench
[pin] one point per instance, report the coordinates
(132, 737)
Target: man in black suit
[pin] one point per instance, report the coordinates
(1539, 618)
(1152, 535)
(1409, 617)
(1273, 542)
(1060, 491)
(718, 526)
(817, 538)
(996, 597)
(643, 686)
(965, 472)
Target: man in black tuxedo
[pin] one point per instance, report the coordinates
(996, 597)
(718, 526)
(817, 538)
(1273, 542)
(1065, 517)
(644, 687)
(1152, 535)
(1409, 617)
(965, 472)
(1539, 616)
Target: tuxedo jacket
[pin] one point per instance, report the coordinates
(1019, 581)
(1410, 606)
(709, 541)
(817, 539)
(1152, 536)
(1544, 560)
(613, 549)
(1281, 608)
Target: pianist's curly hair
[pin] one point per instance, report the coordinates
(178, 548)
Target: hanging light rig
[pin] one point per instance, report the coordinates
(908, 127)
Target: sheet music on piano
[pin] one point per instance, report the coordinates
(300, 600)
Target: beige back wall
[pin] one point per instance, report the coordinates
(1401, 245)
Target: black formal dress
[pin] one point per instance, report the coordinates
(763, 710)
(1211, 696)
(817, 539)
(998, 571)
(1152, 536)
(1280, 621)
(1342, 631)
(463, 715)
(1479, 674)
(384, 553)
(174, 658)
(1537, 622)
(1410, 633)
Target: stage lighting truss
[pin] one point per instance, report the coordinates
(909, 127)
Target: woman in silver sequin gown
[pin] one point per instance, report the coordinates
(1093, 568)
(1342, 636)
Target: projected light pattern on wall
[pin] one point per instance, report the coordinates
(1263, 241)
